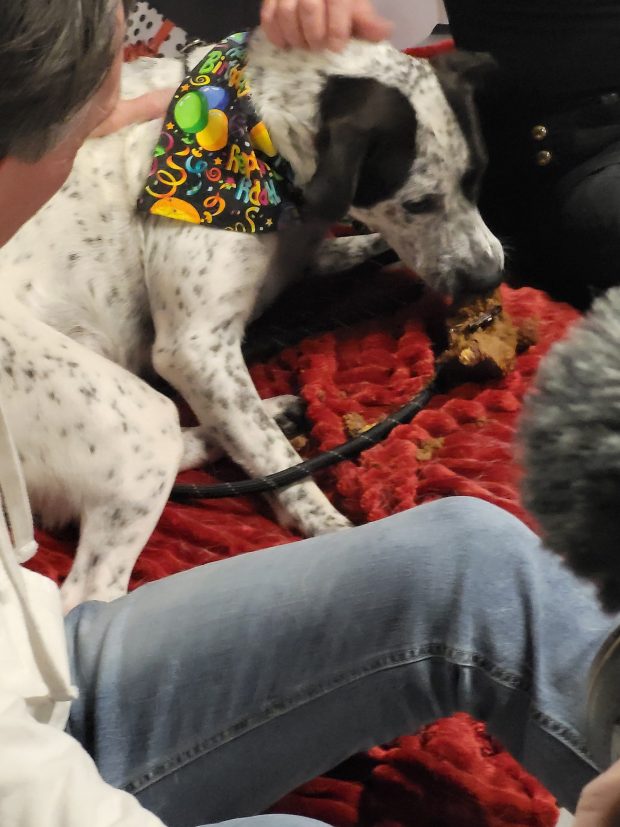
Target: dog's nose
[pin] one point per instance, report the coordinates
(484, 270)
(477, 282)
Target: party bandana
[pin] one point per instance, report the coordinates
(215, 163)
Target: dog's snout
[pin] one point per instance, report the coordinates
(485, 271)
(478, 282)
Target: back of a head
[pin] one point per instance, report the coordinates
(53, 56)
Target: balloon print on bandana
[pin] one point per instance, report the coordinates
(200, 114)
(191, 112)
(215, 163)
(215, 134)
(216, 96)
(261, 140)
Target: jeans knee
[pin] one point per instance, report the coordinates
(273, 820)
(466, 517)
(460, 534)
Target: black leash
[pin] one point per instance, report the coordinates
(373, 436)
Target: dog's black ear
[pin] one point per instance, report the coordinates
(476, 68)
(365, 146)
(460, 75)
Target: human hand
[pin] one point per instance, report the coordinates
(599, 803)
(147, 107)
(320, 24)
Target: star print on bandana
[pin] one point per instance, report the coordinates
(215, 163)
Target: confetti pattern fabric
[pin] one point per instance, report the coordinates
(215, 163)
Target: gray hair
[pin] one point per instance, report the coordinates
(54, 54)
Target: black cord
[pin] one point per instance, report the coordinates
(373, 436)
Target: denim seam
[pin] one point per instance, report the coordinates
(456, 656)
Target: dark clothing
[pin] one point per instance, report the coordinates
(560, 225)
(552, 126)
(209, 19)
(555, 50)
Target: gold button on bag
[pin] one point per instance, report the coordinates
(544, 158)
(539, 132)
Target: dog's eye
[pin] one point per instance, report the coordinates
(429, 203)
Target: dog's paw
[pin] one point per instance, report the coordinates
(303, 507)
(289, 412)
(334, 522)
(197, 450)
(314, 526)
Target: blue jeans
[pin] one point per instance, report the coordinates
(212, 693)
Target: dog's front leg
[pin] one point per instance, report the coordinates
(198, 449)
(209, 371)
(204, 285)
(335, 255)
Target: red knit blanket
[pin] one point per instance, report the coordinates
(451, 773)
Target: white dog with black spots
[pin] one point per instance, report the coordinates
(96, 295)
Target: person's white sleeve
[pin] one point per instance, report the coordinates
(47, 779)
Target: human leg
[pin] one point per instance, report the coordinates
(214, 692)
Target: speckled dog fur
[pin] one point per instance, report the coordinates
(96, 296)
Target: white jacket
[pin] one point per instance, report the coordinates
(46, 778)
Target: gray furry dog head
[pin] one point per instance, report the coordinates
(570, 433)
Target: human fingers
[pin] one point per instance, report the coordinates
(368, 24)
(287, 18)
(270, 23)
(313, 22)
(339, 23)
